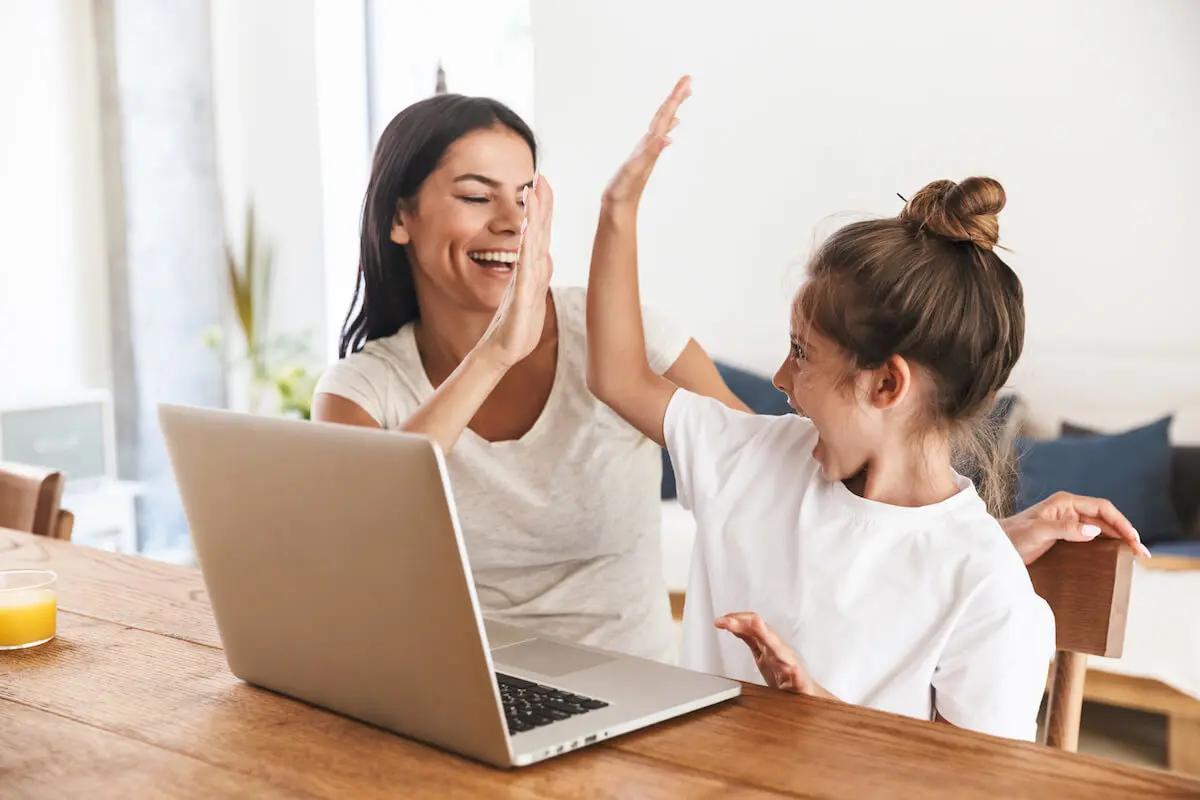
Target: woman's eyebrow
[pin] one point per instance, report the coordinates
(473, 176)
(486, 181)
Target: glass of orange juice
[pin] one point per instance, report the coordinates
(28, 607)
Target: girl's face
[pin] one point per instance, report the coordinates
(822, 384)
(463, 229)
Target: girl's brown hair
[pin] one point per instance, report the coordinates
(928, 286)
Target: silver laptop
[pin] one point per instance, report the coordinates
(337, 574)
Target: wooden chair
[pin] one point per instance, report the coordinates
(1087, 588)
(30, 500)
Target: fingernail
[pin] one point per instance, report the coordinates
(524, 223)
(525, 194)
(1145, 551)
(536, 175)
(1137, 535)
(1090, 531)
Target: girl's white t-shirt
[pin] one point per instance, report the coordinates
(905, 610)
(562, 526)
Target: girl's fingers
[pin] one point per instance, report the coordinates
(666, 112)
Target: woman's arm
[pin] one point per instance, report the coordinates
(513, 334)
(697, 373)
(619, 373)
(447, 412)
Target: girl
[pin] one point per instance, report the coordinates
(878, 575)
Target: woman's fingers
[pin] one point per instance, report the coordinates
(545, 201)
(1103, 514)
(1129, 536)
(533, 268)
(1099, 509)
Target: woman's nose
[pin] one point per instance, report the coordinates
(508, 218)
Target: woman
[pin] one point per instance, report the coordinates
(454, 339)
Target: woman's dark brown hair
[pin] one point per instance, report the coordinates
(410, 148)
(928, 286)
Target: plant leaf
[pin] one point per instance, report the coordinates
(263, 294)
(241, 299)
(247, 289)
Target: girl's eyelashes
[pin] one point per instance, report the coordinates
(798, 352)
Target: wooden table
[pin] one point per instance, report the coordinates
(133, 700)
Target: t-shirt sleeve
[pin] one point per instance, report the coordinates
(704, 438)
(358, 379)
(992, 674)
(664, 339)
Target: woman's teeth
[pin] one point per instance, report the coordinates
(494, 259)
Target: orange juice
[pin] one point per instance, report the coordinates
(27, 617)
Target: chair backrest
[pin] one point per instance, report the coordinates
(1087, 587)
(30, 499)
(66, 524)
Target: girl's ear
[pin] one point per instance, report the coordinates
(890, 383)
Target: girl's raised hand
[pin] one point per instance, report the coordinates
(627, 185)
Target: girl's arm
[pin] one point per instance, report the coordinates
(618, 372)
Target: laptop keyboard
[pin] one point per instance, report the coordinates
(529, 705)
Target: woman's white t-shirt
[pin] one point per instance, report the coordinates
(562, 526)
(901, 609)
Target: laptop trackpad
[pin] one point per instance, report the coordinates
(548, 658)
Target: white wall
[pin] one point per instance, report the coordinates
(265, 96)
(53, 302)
(1087, 111)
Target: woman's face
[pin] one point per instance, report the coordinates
(463, 230)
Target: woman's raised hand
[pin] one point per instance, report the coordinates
(517, 327)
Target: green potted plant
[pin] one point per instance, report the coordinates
(276, 371)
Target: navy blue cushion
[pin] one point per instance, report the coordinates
(752, 389)
(1185, 478)
(1132, 469)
